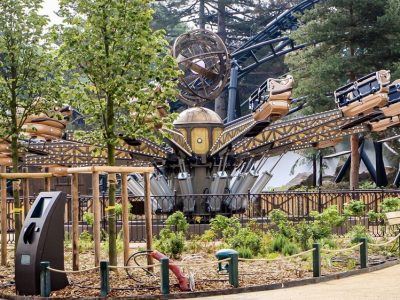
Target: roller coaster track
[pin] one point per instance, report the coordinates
(271, 36)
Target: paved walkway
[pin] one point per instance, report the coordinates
(383, 284)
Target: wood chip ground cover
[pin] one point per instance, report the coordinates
(206, 276)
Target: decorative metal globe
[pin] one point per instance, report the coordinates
(204, 61)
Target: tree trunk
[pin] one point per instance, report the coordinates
(15, 187)
(14, 151)
(355, 162)
(112, 230)
(354, 140)
(202, 20)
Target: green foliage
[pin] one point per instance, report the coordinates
(29, 69)
(85, 241)
(245, 238)
(119, 242)
(357, 232)
(245, 252)
(352, 39)
(367, 184)
(88, 217)
(177, 222)
(390, 204)
(279, 242)
(280, 220)
(172, 237)
(170, 243)
(290, 249)
(373, 216)
(355, 208)
(225, 227)
(304, 235)
(325, 221)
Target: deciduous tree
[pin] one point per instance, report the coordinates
(120, 71)
(27, 76)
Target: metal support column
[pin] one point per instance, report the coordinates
(232, 92)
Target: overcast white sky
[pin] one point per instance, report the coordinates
(49, 7)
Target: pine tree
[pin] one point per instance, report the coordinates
(348, 39)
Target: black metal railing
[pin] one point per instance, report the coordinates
(199, 209)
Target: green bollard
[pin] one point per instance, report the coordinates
(164, 276)
(45, 283)
(233, 269)
(104, 279)
(363, 253)
(317, 260)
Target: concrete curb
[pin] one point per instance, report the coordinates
(231, 291)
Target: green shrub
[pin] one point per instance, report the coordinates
(390, 204)
(304, 235)
(265, 244)
(245, 238)
(170, 243)
(355, 208)
(279, 242)
(224, 227)
(85, 241)
(357, 232)
(172, 237)
(88, 217)
(290, 248)
(177, 222)
(245, 252)
(280, 219)
(324, 222)
(367, 184)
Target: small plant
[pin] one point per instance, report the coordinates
(390, 204)
(265, 244)
(367, 185)
(355, 208)
(119, 243)
(290, 248)
(245, 252)
(172, 237)
(280, 219)
(224, 227)
(88, 217)
(85, 241)
(357, 232)
(324, 222)
(304, 235)
(279, 242)
(177, 222)
(245, 238)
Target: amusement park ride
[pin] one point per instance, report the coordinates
(202, 155)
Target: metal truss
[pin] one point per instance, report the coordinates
(177, 139)
(284, 129)
(231, 134)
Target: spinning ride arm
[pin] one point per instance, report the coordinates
(271, 102)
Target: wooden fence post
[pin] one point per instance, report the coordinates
(96, 211)
(125, 215)
(148, 215)
(75, 221)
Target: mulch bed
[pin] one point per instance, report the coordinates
(206, 277)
